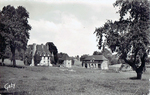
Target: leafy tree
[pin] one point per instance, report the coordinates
(130, 34)
(28, 59)
(97, 53)
(53, 50)
(107, 53)
(15, 28)
(61, 57)
(77, 57)
(37, 59)
(2, 47)
(2, 40)
(83, 57)
(21, 55)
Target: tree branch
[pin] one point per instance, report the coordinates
(136, 51)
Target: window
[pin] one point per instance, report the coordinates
(92, 60)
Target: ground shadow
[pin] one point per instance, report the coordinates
(134, 78)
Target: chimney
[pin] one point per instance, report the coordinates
(42, 46)
(34, 49)
(33, 53)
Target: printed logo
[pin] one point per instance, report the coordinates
(9, 85)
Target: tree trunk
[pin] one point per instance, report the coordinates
(3, 60)
(139, 73)
(139, 70)
(13, 56)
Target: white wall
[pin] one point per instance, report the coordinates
(104, 65)
(68, 63)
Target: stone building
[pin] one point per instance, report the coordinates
(65, 60)
(95, 61)
(42, 51)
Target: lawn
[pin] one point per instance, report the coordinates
(73, 81)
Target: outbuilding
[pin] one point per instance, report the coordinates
(65, 61)
(95, 61)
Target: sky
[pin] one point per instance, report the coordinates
(69, 24)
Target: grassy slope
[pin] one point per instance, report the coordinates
(74, 81)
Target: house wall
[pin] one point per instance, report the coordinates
(104, 65)
(95, 64)
(68, 63)
(45, 61)
(88, 64)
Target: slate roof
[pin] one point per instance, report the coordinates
(41, 50)
(96, 57)
(64, 57)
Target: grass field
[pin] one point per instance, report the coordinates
(73, 81)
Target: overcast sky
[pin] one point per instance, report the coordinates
(68, 24)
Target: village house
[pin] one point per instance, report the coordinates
(42, 51)
(95, 61)
(65, 61)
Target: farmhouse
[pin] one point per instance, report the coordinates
(65, 60)
(95, 61)
(42, 51)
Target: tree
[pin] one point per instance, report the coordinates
(2, 40)
(77, 57)
(15, 28)
(53, 50)
(61, 57)
(37, 59)
(28, 59)
(2, 47)
(97, 53)
(130, 35)
(83, 57)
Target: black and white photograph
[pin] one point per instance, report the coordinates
(74, 47)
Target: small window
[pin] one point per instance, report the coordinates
(92, 60)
